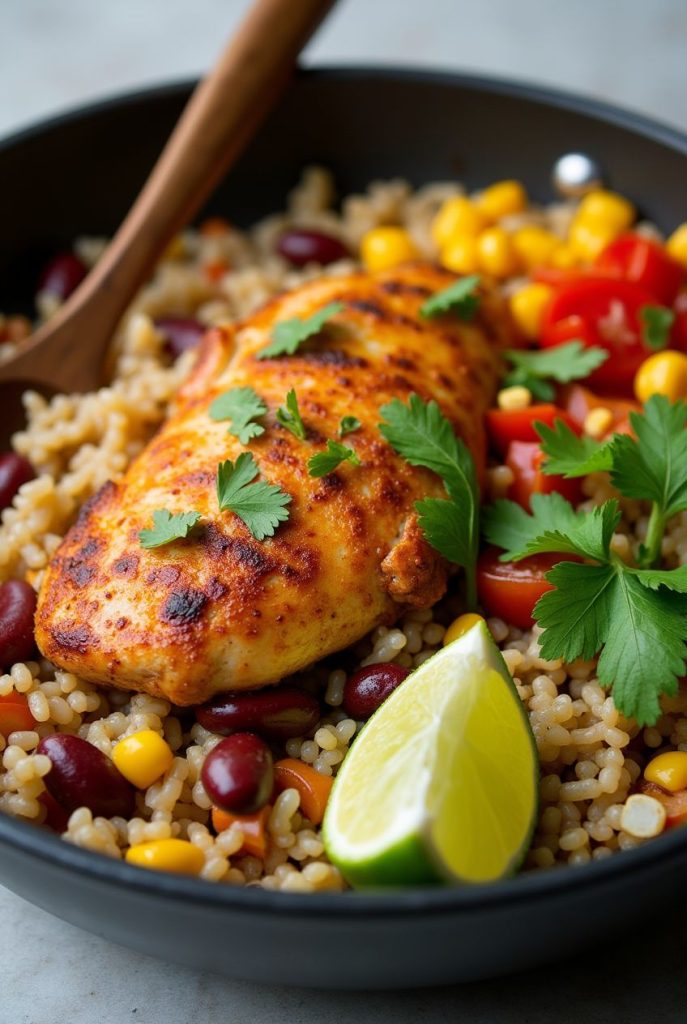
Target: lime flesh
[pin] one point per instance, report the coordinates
(442, 783)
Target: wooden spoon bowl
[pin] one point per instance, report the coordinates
(67, 353)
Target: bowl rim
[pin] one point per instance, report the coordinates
(669, 849)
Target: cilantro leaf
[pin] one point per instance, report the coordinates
(673, 579)
(576, 616)
(290, 417)
(260, 505)
(509, 526)
(348, 425)
(167, 527)
(422, 435)
(645, 650)
(458, 298)
(242, 406)
(289, 335)
(326, 462)
(654, 466)
(656, 324)
(641, 633)
(570, 455)
(533, 369)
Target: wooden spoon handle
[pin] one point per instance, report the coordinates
(220, 118)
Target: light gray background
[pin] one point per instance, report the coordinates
(57, 53)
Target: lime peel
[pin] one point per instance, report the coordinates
(441, 785)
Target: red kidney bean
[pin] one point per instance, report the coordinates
(15, 470)
(180, 333)
(17, 609)
(82, 776)
(300, 246)
(238, 775)
(276, 714)
(368, 688)
(62, 275)
(56, 817)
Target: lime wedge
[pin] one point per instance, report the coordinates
(442, 783)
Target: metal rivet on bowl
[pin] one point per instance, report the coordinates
(576, 173)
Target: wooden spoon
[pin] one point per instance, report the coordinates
(227, 107)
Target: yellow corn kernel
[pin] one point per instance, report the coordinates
(664, 373)
(564, 257)
(142, 757)
(501, 199)
(535, 246)
(676, 246)
(606, 209)
(386, 247)
(457, 216)
(587, 239)
(527, 307)
(460, 626)
(495, 253)
(598, 421)
(514, 398)
(177, 855)
(460, 255)
(669, 771)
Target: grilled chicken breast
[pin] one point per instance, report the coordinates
(220, 610)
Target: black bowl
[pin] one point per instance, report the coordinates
(77, 175)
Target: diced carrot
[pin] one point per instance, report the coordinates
(215, 270)
(313, 787)
(15, 715)
(253, 826)
(674, 803)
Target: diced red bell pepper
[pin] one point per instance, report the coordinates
(634, 258)
(603, 312)
(525, 458)
(506, 425)
(674, 803)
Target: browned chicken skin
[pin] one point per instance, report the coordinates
(221, 610)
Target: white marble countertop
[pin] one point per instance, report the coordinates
(57, 54)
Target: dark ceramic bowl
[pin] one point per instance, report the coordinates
(77, 175)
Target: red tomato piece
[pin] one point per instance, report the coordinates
(510, 590)
(638, 259)
(604, 312)
(506, 425)
(15, 715)
(678, 335)
(578, 402)
(525, 458)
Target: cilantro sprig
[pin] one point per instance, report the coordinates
(348, 425)
(633, 616)
(326, 462)
(243, 406)
(167, 527)
(656, 324)
(260, 505)
(422, 435)
(460, 298)
(289, 416)
(536, 369)
(289, 335)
